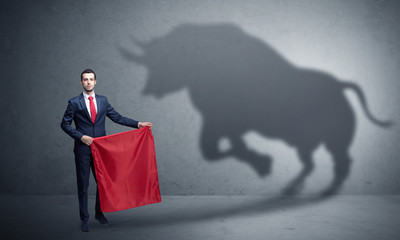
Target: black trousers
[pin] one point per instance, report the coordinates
(83, 163)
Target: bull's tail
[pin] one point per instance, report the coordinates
(363, 101)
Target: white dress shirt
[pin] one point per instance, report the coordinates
(88, 102)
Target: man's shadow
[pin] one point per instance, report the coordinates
(238, 83)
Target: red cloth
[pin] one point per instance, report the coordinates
(126, 170)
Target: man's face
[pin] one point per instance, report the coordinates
(88, 81)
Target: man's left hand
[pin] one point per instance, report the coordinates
(145, 124)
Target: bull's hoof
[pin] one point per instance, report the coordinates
(293, 190)
(329, 192)
(263, 168)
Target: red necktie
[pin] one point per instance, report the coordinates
(92, 109)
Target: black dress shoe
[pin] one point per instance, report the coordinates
(101, 218)
(85, 226)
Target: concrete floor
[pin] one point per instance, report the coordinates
(208, 217)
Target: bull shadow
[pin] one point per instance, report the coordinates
(239, 83)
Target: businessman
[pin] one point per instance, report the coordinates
(88, 111)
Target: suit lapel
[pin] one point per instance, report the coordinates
(98, 102)
(83, 104)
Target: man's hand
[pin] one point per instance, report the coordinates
(145, 124)
(87, 140)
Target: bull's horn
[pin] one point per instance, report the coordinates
(128, 54)
(132, 56)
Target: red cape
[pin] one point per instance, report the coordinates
(126, 170)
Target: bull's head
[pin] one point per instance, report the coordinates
(165, 70)
(203, 57)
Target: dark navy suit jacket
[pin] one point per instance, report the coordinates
(78, 112)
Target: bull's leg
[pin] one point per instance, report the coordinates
(298, 183)
(260, 163)
(341, 170)
(209, 145)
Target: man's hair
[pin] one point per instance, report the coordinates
(88, 71)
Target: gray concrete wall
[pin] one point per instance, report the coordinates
(242, 93)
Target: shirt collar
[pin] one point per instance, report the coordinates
(87, 96)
